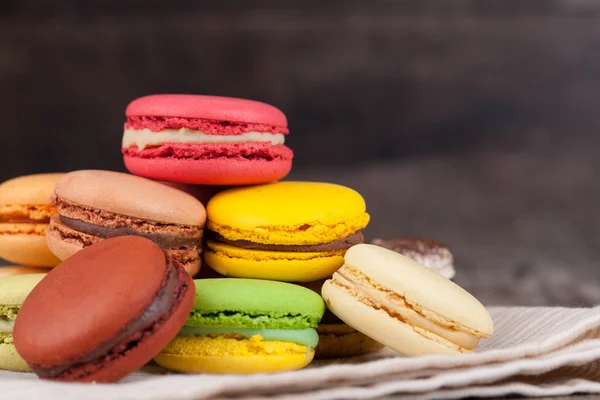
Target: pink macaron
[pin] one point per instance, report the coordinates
(205, 140)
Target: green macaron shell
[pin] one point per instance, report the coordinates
(254, 303)
(14, 289)
(9, 358)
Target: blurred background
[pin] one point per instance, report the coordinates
(471, 122)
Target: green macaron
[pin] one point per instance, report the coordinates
(246, 326)
(13, 291)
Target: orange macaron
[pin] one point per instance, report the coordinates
(25, 211)
(11, 270)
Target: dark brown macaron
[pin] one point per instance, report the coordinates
(95, 205)
(104, 312)
(336, 339)
(430, 253)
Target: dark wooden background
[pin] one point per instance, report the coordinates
(358, 80)
(473, 121)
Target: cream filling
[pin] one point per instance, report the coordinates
(145, 137)
(6, 325)
(411, 317)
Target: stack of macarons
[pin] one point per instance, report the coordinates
(293, 232)
(281, 272)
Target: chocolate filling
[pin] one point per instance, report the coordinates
(159, 310)
(164, 241)
(340, 244)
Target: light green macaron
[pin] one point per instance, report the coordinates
(13, 291)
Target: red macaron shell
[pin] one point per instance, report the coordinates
(89, 298)
(209, 127)
(218, 171)
(197, 151)
(227, 109)
(149, 347)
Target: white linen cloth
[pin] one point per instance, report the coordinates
(534, 352)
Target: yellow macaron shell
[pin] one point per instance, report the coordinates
(232, 355)
(273, 265)
(287, 213)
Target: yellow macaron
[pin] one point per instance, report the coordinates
(287, 231)
(25, 211)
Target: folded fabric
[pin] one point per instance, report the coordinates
(534, 352)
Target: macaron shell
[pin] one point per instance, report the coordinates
(130, 195)
(233, 364)
(216, 108)
(340, 340)
(256, 296)
(15, 289)
(143, 353)
(10, 360)
(379, 325)
(12, 270)
(421, 286)
(223, 355)
(218, 171)
(274, 265)
(30, 250)
(91, 286)
(62, 249)
(30, 189)
(288, 213)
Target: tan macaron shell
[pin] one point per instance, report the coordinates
(132, 196)
(432, 302)
(30, 189)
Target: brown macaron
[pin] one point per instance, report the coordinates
(94, 205)
(104, 312)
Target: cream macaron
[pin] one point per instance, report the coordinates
(405, 305)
